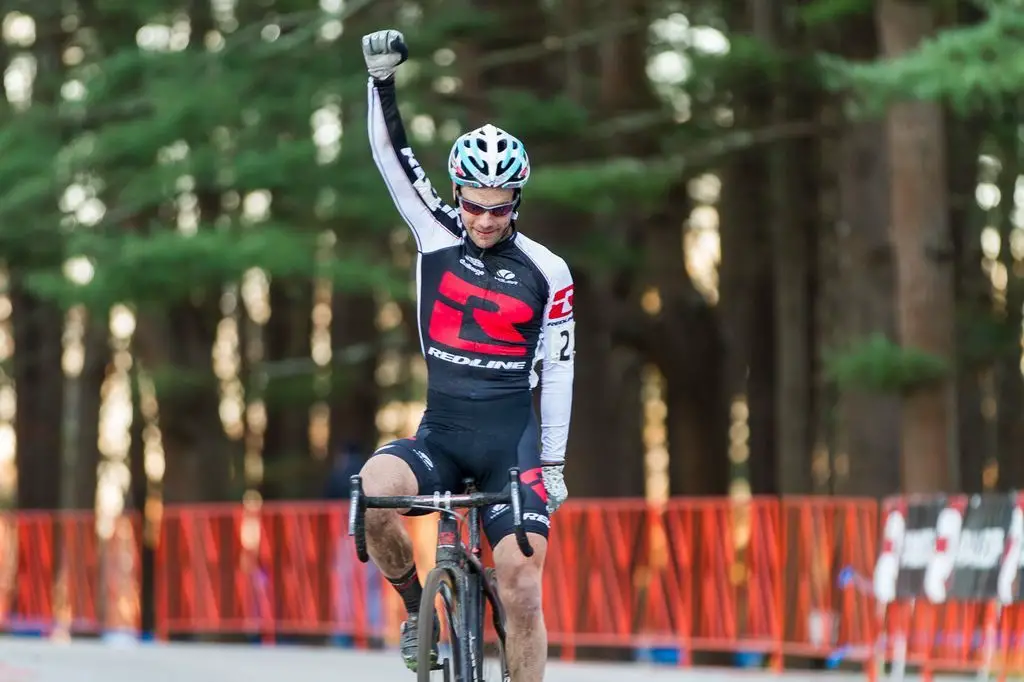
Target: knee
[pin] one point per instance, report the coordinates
(385, 476)
(519, 587)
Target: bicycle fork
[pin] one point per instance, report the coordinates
(475, 605)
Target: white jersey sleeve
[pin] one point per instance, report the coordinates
(557, 369)
(434, 224)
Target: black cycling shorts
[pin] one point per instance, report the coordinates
(479, 439)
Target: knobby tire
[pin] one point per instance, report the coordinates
(436, 579)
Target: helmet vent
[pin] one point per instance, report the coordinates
(478, 164)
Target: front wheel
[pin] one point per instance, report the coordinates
(440, 582)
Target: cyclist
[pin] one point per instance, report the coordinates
(491, 304)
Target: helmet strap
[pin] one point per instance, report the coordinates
(518, 198)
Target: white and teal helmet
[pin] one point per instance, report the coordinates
(489, 157)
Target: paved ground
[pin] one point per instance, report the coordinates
(34, 660)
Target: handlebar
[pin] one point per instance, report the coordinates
(446, 502)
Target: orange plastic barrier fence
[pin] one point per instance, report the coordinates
(759, 576)
(694, 575)
(225, 568)
(823, 537)
(957, 637)
(59, 575)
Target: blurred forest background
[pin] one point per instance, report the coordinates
(795, 228)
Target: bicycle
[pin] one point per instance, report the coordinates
(458, 576)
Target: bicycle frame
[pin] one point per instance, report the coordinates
(461, 561)
(453, 556)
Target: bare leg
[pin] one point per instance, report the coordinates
(519, 586)
(387, 541)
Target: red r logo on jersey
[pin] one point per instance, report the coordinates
(561, 304)
(446, 320)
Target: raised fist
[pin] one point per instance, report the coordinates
(383, 52)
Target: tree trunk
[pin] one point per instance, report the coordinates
(39, 383)
(684, 338)
(37, 324)
(288, 396)
(1010, 384)
(607, 411)
(355, 395)
(357, 343)
(791, 182)
(82, 395)
(199, 456)
(919, 209)
(138, 495)
(746, 304)
(762, 380)
(94, 373)
(698, 410)
(858, 289)
(747, 315)
(828, 307)
(869, 424)
(973, 303)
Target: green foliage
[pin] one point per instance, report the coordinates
(967, 67)
(601, 187)
(749, 61)
(822, 12)
(180, 383)
(984, 337)
(157, 129)
(165, 267)
(529, 115)
(878, 365)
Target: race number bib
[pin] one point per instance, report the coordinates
(562, 342)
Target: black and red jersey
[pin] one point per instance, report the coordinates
(487, 317)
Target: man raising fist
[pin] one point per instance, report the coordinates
(492, 304)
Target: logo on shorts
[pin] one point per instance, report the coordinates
(534, 480)
(496, 511)
(423, 456)
(539, 518)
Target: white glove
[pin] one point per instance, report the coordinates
(383, 52)
(554, 484)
